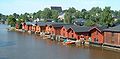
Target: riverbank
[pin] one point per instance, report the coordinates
(48, 37)
(21, 45)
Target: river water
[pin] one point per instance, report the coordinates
(17, 45)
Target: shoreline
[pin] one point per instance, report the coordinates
(101, 46)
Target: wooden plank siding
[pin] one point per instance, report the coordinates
(23, 26)
(55, 30)
(34, 28)
(42, 28)
(64, 32)
(47, 29)
(97, 36)
(38, 29)
(112, 38)
(77, 36)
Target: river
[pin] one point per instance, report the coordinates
(17, 45)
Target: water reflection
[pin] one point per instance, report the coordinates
(7, 43)
(18, 45)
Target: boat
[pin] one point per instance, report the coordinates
(68, 41)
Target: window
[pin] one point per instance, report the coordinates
(72, 35)
(78, 37)
(96, 40)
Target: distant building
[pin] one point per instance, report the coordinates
(79, 21)
(61, 16)
(59, 9)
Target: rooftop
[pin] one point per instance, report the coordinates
(113, 29)
(80, 28)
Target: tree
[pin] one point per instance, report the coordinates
(95, 13)
(54, 14)
(15, 15)
(37, 15)
(68, 18)
(72, 10)
(77, 14)
(83, 13)
(0, 16)
(106, 16)
(89, 23)
(69, 15)
(11, 20)
(46, 13)
(25, 17)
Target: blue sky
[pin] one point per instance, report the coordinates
(21, 6)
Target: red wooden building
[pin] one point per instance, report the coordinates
(78, 32)
(48, 27)
(34, 28)
(64, 30)
(56, 28)
(23, 26)
(112, 36)
(97, 35)
(17, 26)
(28, 26)
(40, 26)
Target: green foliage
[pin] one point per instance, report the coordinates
(68, 18)
(37, 15)
(69, 15)
(54, 14)
(89, 23)
(72, 10)
(95, 16)
(11, 20)
(77, 14)
(46, 13)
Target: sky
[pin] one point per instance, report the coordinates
(8, 7)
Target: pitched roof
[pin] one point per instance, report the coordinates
(68, 26)
(55, 24)
(58, 24)
(41, 23)
(101, 29)
(80, 28)
(45, 23)
(79, 20)
(50, 23)
(28, 23)
(113, 29)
